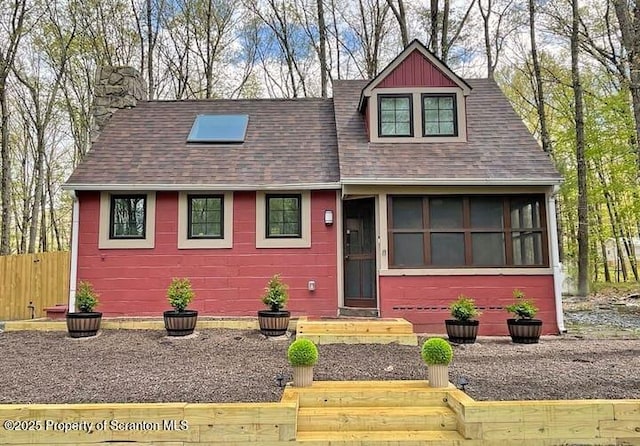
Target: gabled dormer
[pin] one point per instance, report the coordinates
(415, 99)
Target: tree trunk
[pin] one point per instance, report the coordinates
(539, 92)
(583, 212)
(629, 20)
(324, 72)
(5, 184)
(486, 16)
(150, 47)
(401, 17)
(433, 39)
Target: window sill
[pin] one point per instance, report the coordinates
(534, 271)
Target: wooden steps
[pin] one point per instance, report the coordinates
(382, 438)
(357, 331)
(381, 413)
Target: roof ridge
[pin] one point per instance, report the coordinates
(173, 101)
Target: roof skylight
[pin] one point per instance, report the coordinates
(219, 128)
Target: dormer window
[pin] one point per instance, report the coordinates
(394, 115)
(416, 99)
(439, 115)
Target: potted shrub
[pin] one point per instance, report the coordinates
(463, 328)
(84, 322)
(523, 328)
(303, 355)
(437, 354)
(275, 320)
(180, 321)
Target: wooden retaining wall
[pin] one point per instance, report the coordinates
(546, 423)
(540, 423)
(158, 424)
(41, 280)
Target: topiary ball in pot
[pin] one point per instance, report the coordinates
(303, 355)
(437, 354)
(436, 351)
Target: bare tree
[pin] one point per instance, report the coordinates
(401, 16)
(371, 32)
(499, 21)
(444, 26)
(14, 14)
(279, 19)
(43, 94)
(147, 24)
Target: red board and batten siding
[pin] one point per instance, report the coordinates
(424, 300)
(416, 71)
(227, 282)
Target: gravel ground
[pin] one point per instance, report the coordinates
(231, 365)
(599, 357)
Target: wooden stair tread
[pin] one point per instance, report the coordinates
(376, 418)
(359, 338)
(348, 325)
(373, 437)
(393, 411)
(400, 385)
(367, 398)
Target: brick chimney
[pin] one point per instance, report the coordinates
(115, 88)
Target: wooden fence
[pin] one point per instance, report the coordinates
(38, 280)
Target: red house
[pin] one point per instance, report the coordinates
(394, 197)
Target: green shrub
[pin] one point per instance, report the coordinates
(275, 293)
(180, 294)
(436, 351)
(464, 308)
(302, 352)
(86, 297)
(522, 308)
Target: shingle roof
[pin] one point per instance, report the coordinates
(499, 147)
(288, 142)
(308, 142)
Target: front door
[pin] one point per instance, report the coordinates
(359, 253)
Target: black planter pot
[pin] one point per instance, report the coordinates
(525, 331)
(83, 324)
(273, 323)
(462, 332)
(180, 323)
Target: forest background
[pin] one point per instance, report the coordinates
(571, 69)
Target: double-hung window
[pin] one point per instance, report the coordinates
(205, 216)
(127, 218)
(284, 216)
(467, 231)
(395, 115)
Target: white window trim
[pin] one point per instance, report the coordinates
(184, 242)
(148, 242)
(261, 216)
(417, 115)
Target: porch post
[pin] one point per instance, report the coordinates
(555, 260)
(73, 270)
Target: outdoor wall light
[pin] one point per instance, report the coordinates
(328, 217)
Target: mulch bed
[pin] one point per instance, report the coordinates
(244, 366)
